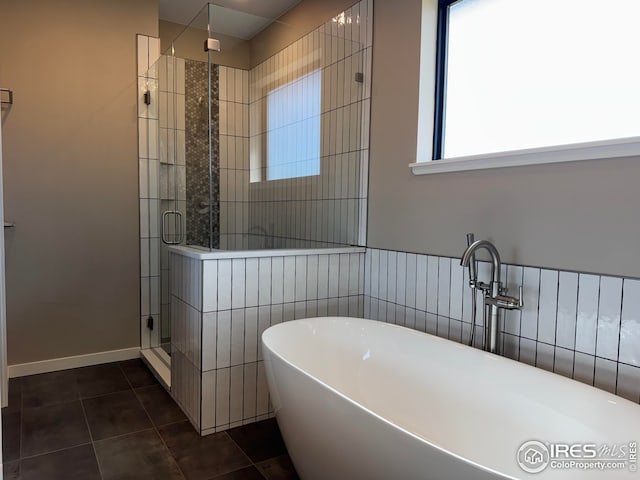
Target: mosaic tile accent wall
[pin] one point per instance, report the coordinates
(221, 307)
(199, 226)
(579, 325)
(333, 65)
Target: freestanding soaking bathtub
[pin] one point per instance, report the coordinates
(361, 399)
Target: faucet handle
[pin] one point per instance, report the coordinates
(520, 297)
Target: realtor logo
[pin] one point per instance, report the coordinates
(533, 456)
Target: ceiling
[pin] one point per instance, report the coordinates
(239, 18)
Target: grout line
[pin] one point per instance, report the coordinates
(555, 323)
(21, 417)
(535, 357)
(252, 463)
(93, 446)
(53, 451)
(575, 329)
(619, 336)
(595, 343)
(153, 425)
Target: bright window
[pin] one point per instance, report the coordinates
(293, 128)
(520, 74)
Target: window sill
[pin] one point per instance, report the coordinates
(618, 148)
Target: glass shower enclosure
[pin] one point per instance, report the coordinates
(262, 144)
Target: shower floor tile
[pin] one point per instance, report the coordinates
(115, 421)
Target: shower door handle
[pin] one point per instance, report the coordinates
(165, 235)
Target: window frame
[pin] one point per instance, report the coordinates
(442, 41)
(429, 157)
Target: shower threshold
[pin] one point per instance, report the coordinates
(159, 362)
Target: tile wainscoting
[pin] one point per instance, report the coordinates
(578, 325)
(221, 306)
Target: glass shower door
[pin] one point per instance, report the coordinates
(172, 188)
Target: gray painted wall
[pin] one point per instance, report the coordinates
(71, 174)
(582, 216)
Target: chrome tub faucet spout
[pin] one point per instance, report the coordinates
(494, 294)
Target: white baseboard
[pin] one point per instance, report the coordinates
(46, 366)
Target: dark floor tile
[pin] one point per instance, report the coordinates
(15, 395)
(115, 414)
(136, 456)
(159, 405)
(45, 429)
(11, 435)
(260, 440)
(77, 463)
(11, 470)
(100, 380)
(278, 468)
(49, 389)
(202, 458)
(249, 473)
(137, 373)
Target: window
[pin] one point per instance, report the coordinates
(293, 128)
(516, 75)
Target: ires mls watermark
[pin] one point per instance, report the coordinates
(534, 456)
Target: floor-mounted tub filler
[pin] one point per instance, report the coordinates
(361, 399)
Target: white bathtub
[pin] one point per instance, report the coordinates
(360, 399)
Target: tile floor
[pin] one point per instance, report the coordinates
(115, 421)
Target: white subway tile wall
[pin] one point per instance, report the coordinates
(234, 157)
(149, 186)
(172, 174)
(326, 207)
(581, 326)
(220, 308)
(161, 162)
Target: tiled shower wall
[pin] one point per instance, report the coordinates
(329, 208)
(234, 158)
(162, 172)
(220, 309)
(149, 186)
(172, 145)
(578, 325)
